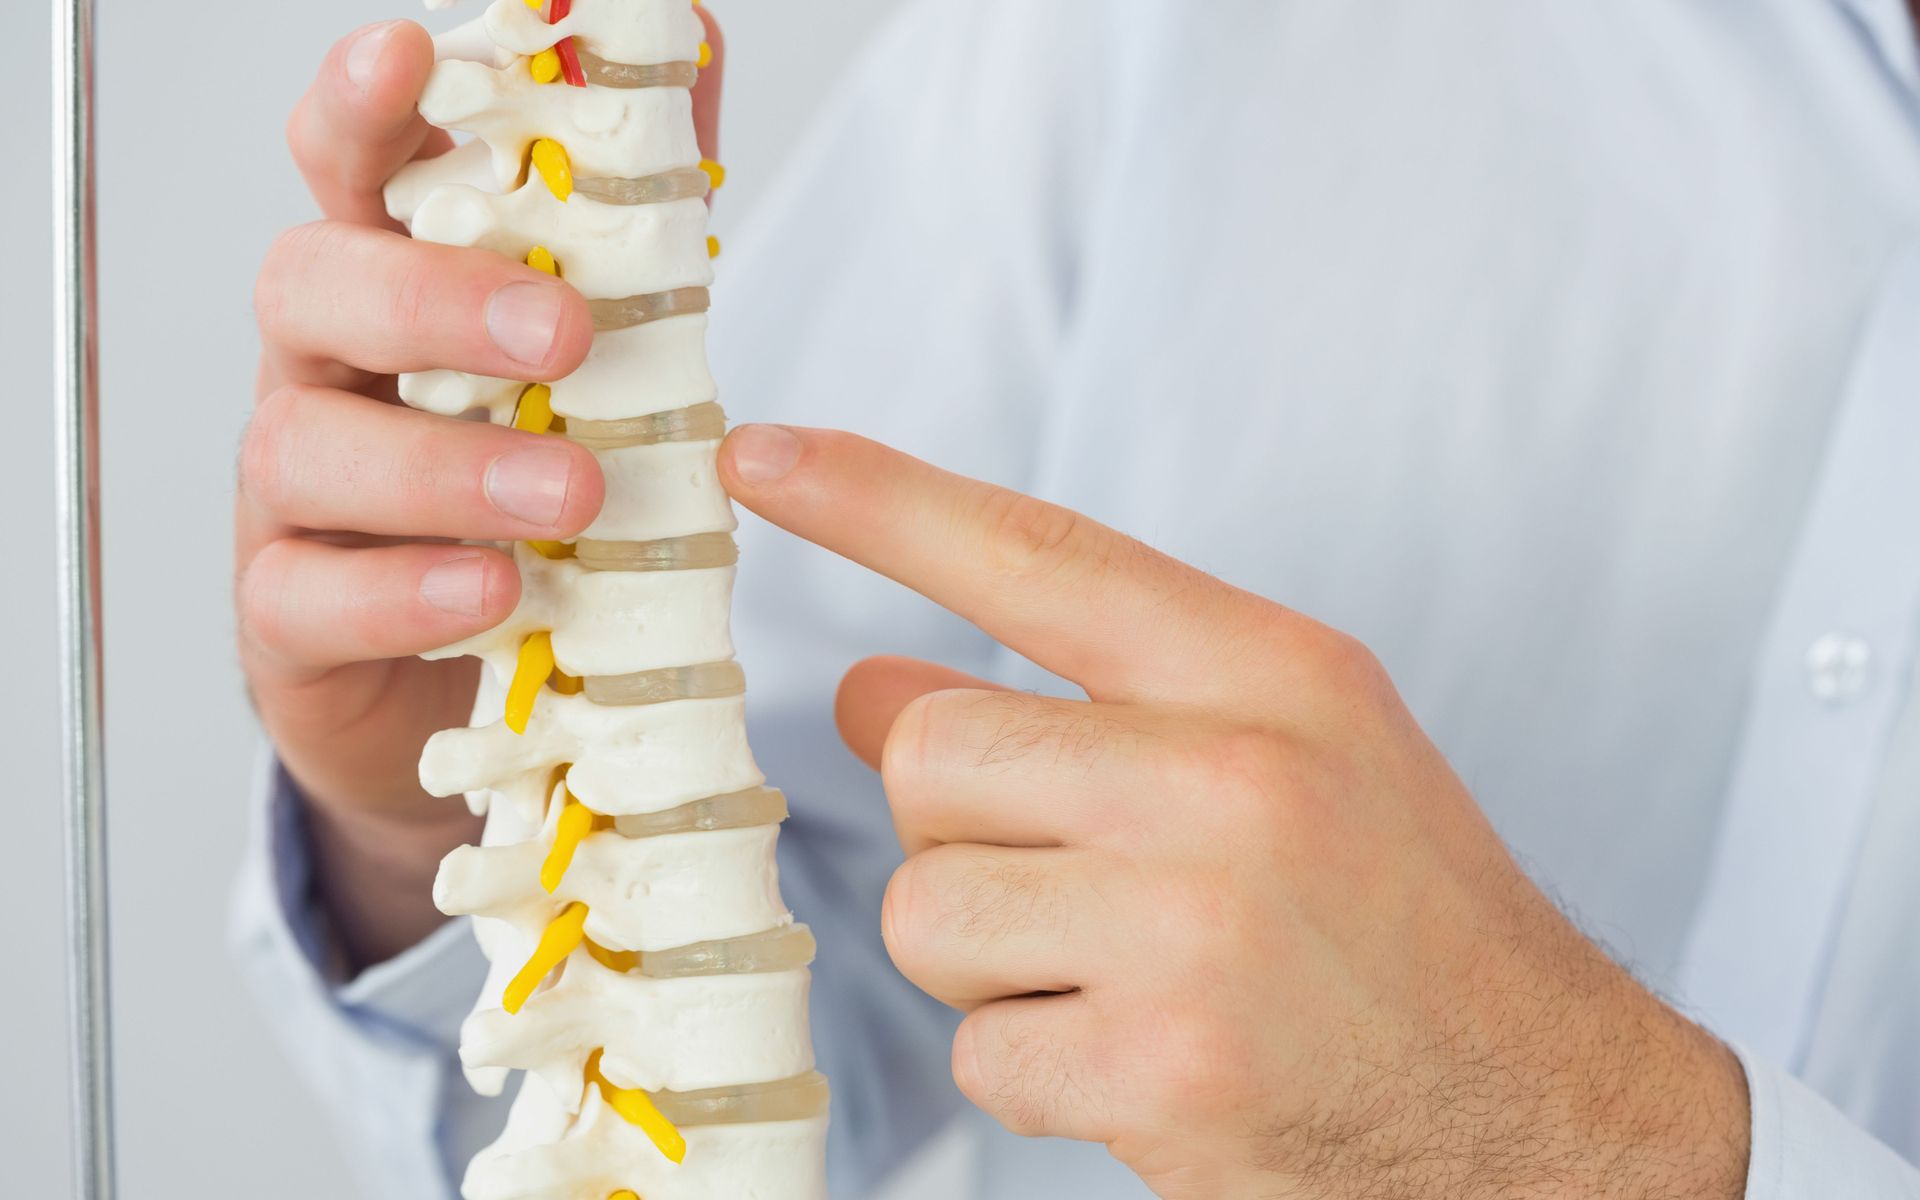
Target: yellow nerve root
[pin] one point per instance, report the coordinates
(706, 55)
(713, 246)
(535, 411)
(534, 414)
(576, 822)
(636, 1108)
(541, 259)
(562, 937)
(613, 960)
(550, 160)
(565, 684)
(536, 663)
(624, 1193)
(545, 65)
(716, 174)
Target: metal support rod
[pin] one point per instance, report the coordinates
(77, 466)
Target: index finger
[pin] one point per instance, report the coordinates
(356, 125)
(1122, 620)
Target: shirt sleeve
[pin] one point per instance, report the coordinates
(379, 1050)
(1803, 1147)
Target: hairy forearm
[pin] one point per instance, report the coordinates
(1680, 1127)
(1586, 1087)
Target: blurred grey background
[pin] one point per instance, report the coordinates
(194, 184)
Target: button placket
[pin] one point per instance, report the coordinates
(1822, 708)
(1839, 668)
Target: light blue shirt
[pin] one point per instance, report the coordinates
(1567, 353)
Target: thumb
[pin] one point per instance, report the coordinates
(874, 692)
(706, 93)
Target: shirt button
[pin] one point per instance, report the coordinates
(1839, 667)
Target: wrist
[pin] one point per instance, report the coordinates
(1550, 1075)
(1616, 1094)
(1678, 1121)
(373, 872)
(402, 848)
(1611, 1092)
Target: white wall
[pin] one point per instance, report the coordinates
(194, 184)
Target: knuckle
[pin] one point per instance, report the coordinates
(269, 293)
(1238, 767)
(900, 913)
(1014, 726)
(960, 902)
(1341, 661)
(908, 749)
(415, 474)
(970, 1073)
(997, 900)
(298, 131)
(260, 596)
(1013, 1067)
(990, 731)
(1246, 755)
(1027, 537)
(1246, 783)
(410, 296)
(286, 261)
(267, 451)
(1192, 1055)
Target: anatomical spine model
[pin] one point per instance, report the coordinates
(646, 976)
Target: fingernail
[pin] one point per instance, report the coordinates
(363, 57)
(522, 319)
(531, 485)
(763, 453)
(457, 586)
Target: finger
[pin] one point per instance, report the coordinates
(875, 690)
(306, 607)
(320, 459)
(970, 924)
(356, 125)
(378, 302)
(1014, 769)
(1034, 1065)
(1088, 603)
(706, 92)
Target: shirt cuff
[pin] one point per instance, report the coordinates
(1803, 1147)
(378, 1049)
(419, 996)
